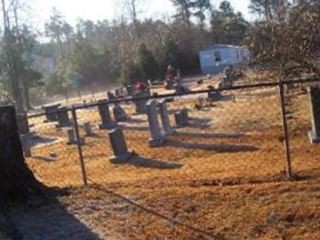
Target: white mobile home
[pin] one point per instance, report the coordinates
(214, 59)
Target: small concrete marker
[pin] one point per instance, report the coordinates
(182, 118)
(88, 129)
(119, 146)
(72, 138)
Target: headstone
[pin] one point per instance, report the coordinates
(119, 146)
(129, 90)
(214, 95)
(88, 129)
(182, 118)
(141, 104)
(119, 113)
(157, 138)
(314, 102)
(51, 112)
(23, 124)
(26, 146)
(63, 118)
(165, 117)
(72, 138)
(104, 111)
(118, 93)
(185, 114)
(111, 96)
(180, 89)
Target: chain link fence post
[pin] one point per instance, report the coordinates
(76, 128)
(285, 131)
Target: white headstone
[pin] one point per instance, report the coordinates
(165, 117)
(314, 102)
(156, 138)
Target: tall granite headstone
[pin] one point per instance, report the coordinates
(314, 102)
(165, 117)
(156, 138)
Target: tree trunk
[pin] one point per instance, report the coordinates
(17, 182)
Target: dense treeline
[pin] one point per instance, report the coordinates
(128, 49)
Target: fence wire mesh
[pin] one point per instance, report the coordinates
(236, 136)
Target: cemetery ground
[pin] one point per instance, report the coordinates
(221, 177)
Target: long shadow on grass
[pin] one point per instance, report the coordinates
(200, 123)
(43, 158)
(49, 219)
(141, 162)
(136, 128)
(209, 135)
(220, 147)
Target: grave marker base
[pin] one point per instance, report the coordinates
(156, 142)
(82, 142)
(107, 126)
(123, 158)
(169, 132)
(65, 125)
(314, 139)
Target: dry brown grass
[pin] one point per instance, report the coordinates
(224, 174)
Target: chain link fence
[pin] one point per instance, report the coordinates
(243, 133)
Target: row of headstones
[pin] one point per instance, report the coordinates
(117, 138)
(122, 153)
(158, 131)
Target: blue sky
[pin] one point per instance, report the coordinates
(108, 9)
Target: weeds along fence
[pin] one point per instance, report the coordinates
(243, 132)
